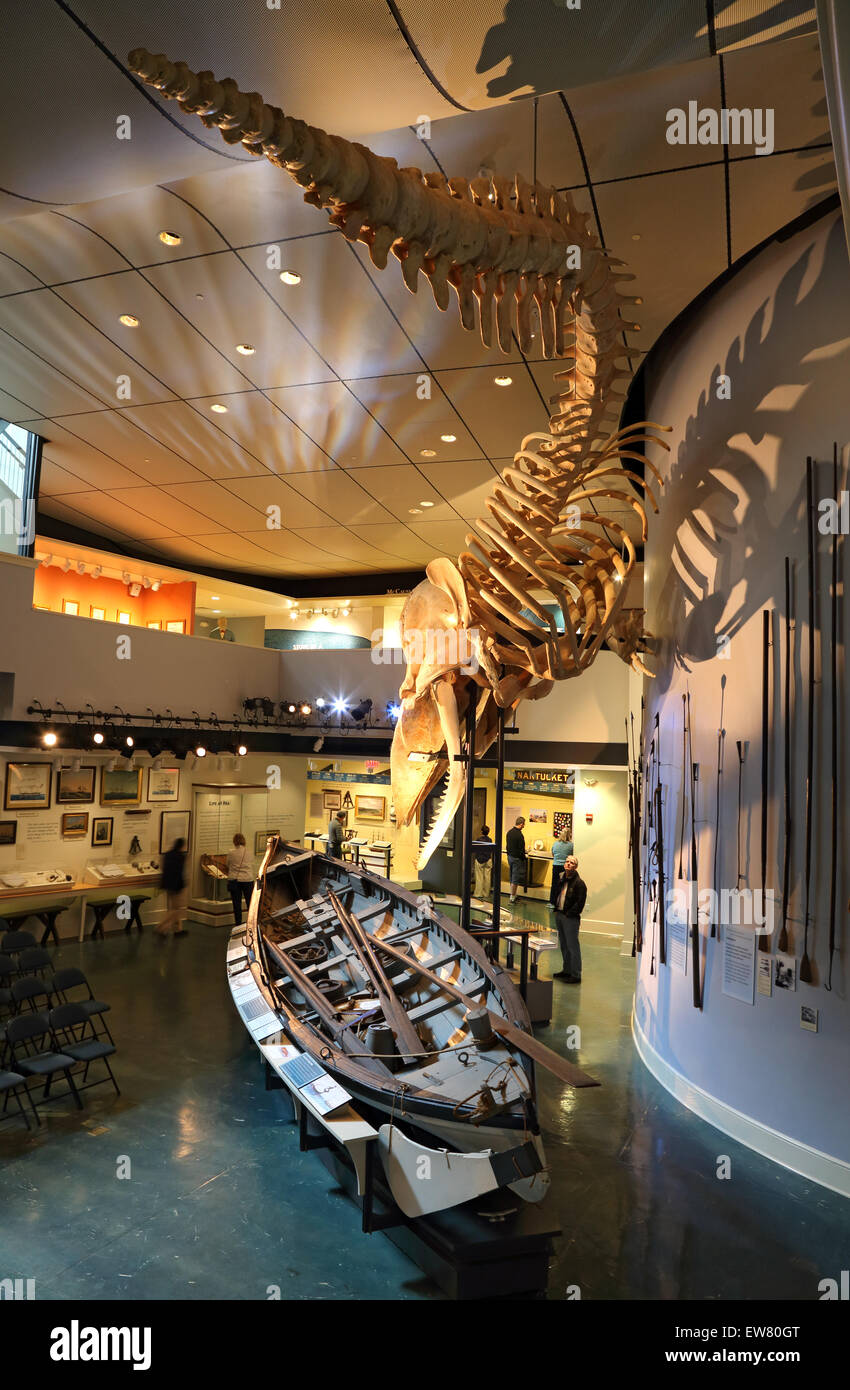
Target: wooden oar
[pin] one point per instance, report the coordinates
(523, 1042)
(407, 1039)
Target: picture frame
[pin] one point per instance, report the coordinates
(8, 832)
(173, 825)
(331, 801)
(154, 627)
(71, 607)
(176, 625)
(370, 807)
(121, 787)
(101, 831)
(75, 824)
(76, 788)
(562, 820)
(95, 611)
(163, 784)
(28, 786)
(123, 617)
(537, 815)
(260, 838)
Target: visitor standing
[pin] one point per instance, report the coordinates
(517, 862)
(174, 883)
(562, 850)
(240, 876)
(568, 909)
(483, 864)
(335, 835)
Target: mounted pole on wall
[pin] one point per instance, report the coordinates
(805, 967)
(764, 941)
(786, 857)
(833, 693)
(721, 735)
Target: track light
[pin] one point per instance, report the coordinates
(361, 711)
(339, 707)
(393, 710)
(130, 741)
(306, 709)
(241, 750)
(97, 737)
(156, 585)
(200, 751)
(49, 739)
(97, 572)
(65, 566)
(81, 569)
(319, 744)
(320, 704)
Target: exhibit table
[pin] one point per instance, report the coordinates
(534, 858)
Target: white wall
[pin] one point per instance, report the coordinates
(781, 331)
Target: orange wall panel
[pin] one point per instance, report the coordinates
(172, 603)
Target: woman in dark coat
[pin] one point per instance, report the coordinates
(174, 883)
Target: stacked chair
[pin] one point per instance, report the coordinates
(45, 1035)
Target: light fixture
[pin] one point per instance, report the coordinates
(242, 750)
(503, 380)
(48, 560)
(156, 585)
(415, 511)
(49, 739)
(130, 741)
(97, 572)
(448, 438)
(428, 453)
(200, 751)
(635, 236)
(306, 709)
(111, 764)
(246, 349)
(393, 710)
(65, 566)
(361, 711)
(320, 704)
(97, 737)
(339, 707)
(170, 238)
(290, 277)
(290, 709)
(319, 744)
(346, 612)
(81, 569)
(125, 577)
(215, 597)
(426, 504)
(129, 320)
(219, 408)
(146, 582)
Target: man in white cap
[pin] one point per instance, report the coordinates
(569, 906)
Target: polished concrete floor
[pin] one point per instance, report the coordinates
(220, 1204)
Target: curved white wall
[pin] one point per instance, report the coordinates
(780, 330)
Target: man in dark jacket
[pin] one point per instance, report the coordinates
(174, 883)
(335, 836)
(515, 845)
(568, 909)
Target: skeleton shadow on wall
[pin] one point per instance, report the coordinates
(729, 534)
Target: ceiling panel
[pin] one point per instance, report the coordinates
(73, 445)
(221, 297)
(403, 488)
(498, 416)
(270, 491)
(761, 195)
(217, 502)
(132, 223)
(466, 484)
(337, 308)
(119, 435)
(343, 498)
(55, 249)
(416, 424)
(27, 377)
(332, 416)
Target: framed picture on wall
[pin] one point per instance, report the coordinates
(74, 824)
(101, 831)
(163, 784)
(331, 801)
(70, 605)
(8, 832)
(28, 786)
(176, 625)
(75, 788)
(370, 807)
(99, 613)
(123, 617)
(538, 815)
(121, 787)
(562, 820)
(260, 838)
(155, 627)
(174, 825)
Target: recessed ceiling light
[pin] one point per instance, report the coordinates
(426, 504)
(290, 277)
(448, 438)
(635, 236)
(428, 453)
(170, 238)
(215, 597)
(415, 511)
(216, 610)
(246, 349)
(199, 296)
(218, 408)
(129, 320)
(503, 380)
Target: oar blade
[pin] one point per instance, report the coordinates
(538, 1052)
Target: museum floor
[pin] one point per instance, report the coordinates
(221, 1204)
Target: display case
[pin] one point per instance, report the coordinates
(23, 880)
(106, 873)
(219, 812)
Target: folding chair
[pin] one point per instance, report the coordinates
(27, 990)
(8, 971)
(31, 1046)
(74, 1035)
(11, 1084)
(72, 978)
(15, 941)
(34, 961)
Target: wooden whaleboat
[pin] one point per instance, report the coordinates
(393, 1004)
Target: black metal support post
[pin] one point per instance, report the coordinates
(466, 866)
(497, 831)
